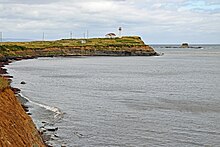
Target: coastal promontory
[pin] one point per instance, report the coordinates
(124, 46)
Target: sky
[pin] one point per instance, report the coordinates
(156, 21)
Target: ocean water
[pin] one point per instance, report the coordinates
(170, 100)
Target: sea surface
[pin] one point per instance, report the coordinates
(170, 100)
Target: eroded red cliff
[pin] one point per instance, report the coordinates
(16, 127)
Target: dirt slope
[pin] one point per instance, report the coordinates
(16, 127)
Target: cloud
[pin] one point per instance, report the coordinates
(142, 17)
(28, 1)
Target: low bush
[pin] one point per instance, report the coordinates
(3, 83)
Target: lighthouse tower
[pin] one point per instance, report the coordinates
(120, 30)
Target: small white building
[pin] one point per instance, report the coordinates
(83, 41)
(110, 35)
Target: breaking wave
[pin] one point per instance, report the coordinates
(58, 113)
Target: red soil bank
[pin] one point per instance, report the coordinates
(16, 127)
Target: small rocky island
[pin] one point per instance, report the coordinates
(184, 45)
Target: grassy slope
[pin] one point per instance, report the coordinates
(3, 83)
(132, 41)
(73, 46)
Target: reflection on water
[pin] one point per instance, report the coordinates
(172, 100)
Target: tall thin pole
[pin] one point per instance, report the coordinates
(84, 35)
(43, 37)
(71, 35)
(87, 34)
(1, 36)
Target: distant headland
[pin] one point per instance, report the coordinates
(117, 46)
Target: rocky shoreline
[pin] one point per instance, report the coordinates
(16, 126)
(46, 128)
(46, 132)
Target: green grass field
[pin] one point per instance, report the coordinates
(130, 40)
(91, 46)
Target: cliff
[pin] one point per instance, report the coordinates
(16, 127)
(125, 46)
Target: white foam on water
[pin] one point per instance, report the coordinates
(57, 111)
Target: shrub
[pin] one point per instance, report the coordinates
(3, 83)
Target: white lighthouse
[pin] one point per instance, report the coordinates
(120, 30)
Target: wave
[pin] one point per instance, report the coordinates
(58, 113)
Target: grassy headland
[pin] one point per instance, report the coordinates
(125, 46)
(131, 41)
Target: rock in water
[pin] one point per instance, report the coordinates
(185, 45)
(22, 82)
(50, 128)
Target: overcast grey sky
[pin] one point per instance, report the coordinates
(156, 21)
